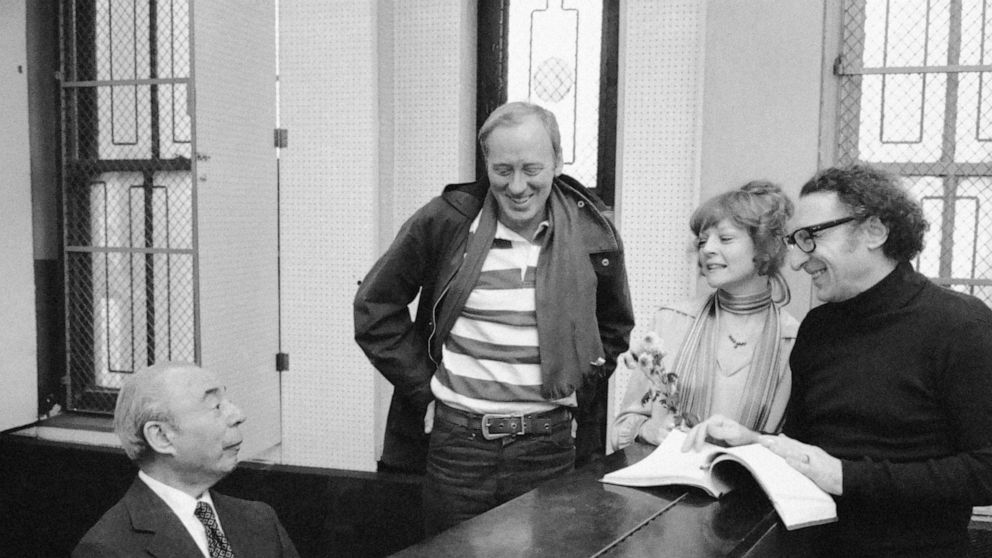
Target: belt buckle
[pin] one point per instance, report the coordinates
(487, 422)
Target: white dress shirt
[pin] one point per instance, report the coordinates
(183, 505)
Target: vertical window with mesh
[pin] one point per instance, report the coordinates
(129, 199)
(562, 55)
(916, 99)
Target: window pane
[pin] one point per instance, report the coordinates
(973, 229)
(902, 117)
(906, 33)
(553, 59)
(974, 122)
(976, 24)
(929, 191)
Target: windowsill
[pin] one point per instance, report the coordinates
(98, 430)
(92, 430)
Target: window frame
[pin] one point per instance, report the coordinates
(80, 166)
(840, 139)
(491, 79)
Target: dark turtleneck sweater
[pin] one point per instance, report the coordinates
(897, 383)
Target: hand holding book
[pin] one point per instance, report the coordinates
(719, 430)
(822, 468)
(798, 501)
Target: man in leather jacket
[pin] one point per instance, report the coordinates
(523, 308)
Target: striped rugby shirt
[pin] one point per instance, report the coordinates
(491, 360)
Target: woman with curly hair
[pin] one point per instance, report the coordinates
(726, 352)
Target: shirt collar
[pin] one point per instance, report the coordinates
(181, 503)
(506, 233)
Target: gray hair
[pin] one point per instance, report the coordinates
(142, 399)
(513, 114)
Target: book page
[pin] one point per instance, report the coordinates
(797, 499)
(669, 465)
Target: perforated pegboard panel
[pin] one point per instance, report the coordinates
(659, 149)
(433, 133)
(328, 176)
(377, 127)
(18, 367)
(234, 64)
(434, 118)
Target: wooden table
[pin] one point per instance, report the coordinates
(577, 515)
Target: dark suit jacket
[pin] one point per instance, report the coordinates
(142, 524)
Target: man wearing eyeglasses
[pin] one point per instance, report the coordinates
(891, 406)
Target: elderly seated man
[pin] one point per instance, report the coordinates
(177, 424)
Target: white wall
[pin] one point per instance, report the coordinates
(378, 98)
(18, 342)
(235, 174)
(761, 117)
(328, 175)
(658, 137)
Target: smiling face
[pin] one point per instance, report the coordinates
(726, 259)
(521, 165)
(840, 265)
(204, 432)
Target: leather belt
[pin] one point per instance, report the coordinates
(501, 426)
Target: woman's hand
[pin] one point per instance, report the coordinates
(629, 359)
(720, 429)
(822, 468)
(656, 428)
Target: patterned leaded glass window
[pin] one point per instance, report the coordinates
(560, 54)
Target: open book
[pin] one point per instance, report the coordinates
(798, 501)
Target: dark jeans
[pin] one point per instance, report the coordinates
(468, 475)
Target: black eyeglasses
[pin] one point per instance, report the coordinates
(803, 238)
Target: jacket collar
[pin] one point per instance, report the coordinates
(597, 234)
(149, 514)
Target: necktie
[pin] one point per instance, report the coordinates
(217, 543)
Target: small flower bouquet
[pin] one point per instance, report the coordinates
(648, 357)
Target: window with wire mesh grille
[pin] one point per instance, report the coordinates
(128, 193)
(562, 56)
(916, 99)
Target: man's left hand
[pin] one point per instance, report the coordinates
(429, 418)
(822, 468)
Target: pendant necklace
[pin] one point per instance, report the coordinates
(743, 306)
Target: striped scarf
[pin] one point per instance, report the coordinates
(696, 364)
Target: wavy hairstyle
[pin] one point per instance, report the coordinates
(871, 192)
(758, 207)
